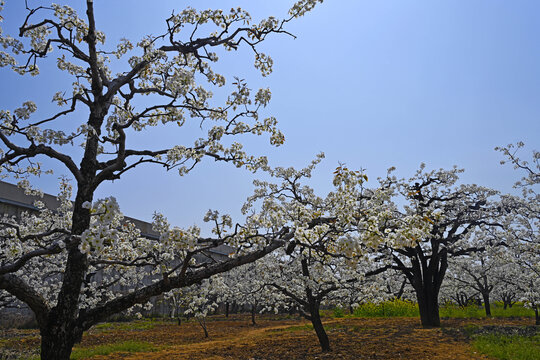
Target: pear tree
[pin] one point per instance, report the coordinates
(67, 265)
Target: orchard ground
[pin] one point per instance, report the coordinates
(275, 337)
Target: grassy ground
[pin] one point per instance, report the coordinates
(107, 349)
(506, 347)
(282, 337)
(498, 346)
(410, 309)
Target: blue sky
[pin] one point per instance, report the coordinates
(372, 84)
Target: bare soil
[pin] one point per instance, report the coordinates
(350, 338)
(282, 339)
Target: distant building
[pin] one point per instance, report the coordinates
(13, 202)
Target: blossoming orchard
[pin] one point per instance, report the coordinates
(430, 240)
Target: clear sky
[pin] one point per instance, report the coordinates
(372, 84)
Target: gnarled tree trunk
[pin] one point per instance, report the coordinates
(426, 276)
(428, 305)
(315, 318)
(58, 338)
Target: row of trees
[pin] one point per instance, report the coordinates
(446, 242)
(352, 246)
(68, 264)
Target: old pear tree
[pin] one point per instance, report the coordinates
(50, 260)
(328, 253)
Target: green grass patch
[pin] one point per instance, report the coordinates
(403, 308)
(518, 310)
(454, 311)
(127, 346)
(474, 311)
(338, 312)
(107, 349)
(505, 347)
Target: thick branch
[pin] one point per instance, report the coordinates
(289, 294)
(53, 249)
(22, 291)
(91, 317)
(34, 150)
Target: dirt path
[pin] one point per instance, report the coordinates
(383, 339)
(234, 344)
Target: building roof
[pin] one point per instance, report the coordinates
(14, 196)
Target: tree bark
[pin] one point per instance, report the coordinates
(227, 309)
(426, 285)
(62, 330)
(401, 290)
(311, 307)
(319, 328)
(426, 276)
(253, 311)
(202, 322)
(56, 343)
(428, 305)
(487, 304)
(507, 298)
